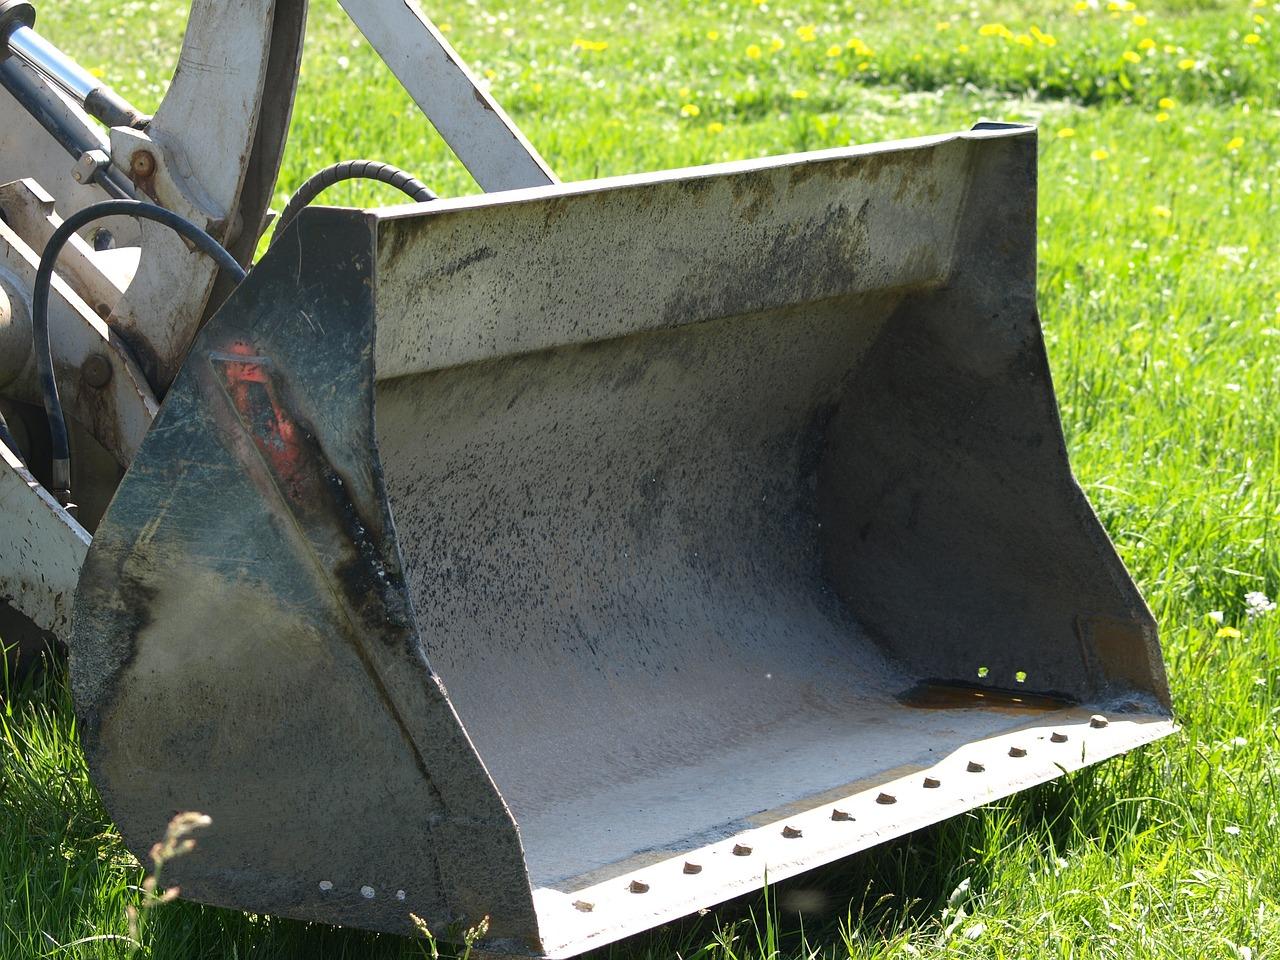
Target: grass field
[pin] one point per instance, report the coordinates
(1160, 292)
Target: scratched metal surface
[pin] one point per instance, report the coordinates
(703, 556)
(691, 474)
(248, 646)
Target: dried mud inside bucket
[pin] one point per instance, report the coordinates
(619, 563)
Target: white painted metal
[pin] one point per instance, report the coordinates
(199, 141)
(1007, 754)
(529, 286)
(99, 276)
(41, 549)
(485, 139)
(118, 414)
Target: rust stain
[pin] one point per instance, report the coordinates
(941, 695)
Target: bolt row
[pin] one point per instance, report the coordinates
(791, 833)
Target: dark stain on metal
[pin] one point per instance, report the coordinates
(960, 695)
(96, 370)
(478, 255)
(317, 492)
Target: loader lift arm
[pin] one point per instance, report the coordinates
(211, 154)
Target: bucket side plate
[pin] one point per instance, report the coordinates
(245, 644)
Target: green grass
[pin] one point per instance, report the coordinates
(1160, 292)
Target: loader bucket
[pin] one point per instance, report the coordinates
(579, 556)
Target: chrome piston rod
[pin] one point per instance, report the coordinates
(19, 39)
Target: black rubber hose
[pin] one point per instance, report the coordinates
(40, 309)
(352, 170)
(7, 439)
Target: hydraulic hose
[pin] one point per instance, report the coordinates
(61, 473)
(352, 170)
(7, 438)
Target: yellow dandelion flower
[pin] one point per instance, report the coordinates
(776, 44)
(1131, 57)
(835, 50)
(1186, 63)
(444, 27)
(1227, 633)
(1235, 143)
(683, 93)
(1162, 211)
(807, 33)
(1161, 117)
(1099, 154)
(1066, 133)
(864, 65)
(490, 73)
(962, 48)
(537, 87)
(1139, 20)
(799, 94)
(1081, 6)
(754, 52)
(1166, 103)
(595, 46)
(97, 72)
(995, 30)
(690, 110)
(715, 126)
(1259, 19)
(1024, 40)
(1259, 3)
(713, 35)
(942, 25)
(1252, 38)
(860, 48)
(1048, 39)
(1146, 43)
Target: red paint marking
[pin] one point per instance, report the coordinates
(276, 434)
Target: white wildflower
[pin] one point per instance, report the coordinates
(1257, 603)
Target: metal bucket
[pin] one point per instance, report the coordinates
(731, 506)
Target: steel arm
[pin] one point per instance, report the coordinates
(483, 137)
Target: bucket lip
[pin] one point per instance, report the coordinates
(982, 130)
(787, 843)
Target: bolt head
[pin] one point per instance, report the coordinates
(142, 163)
(96, 370)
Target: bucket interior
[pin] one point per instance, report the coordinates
(623, 565)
